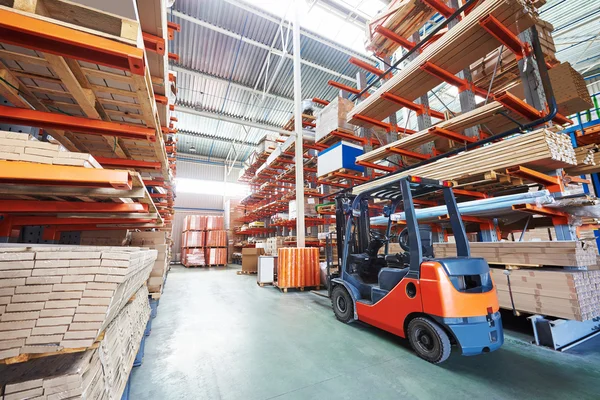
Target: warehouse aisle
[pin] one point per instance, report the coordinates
(220, 336)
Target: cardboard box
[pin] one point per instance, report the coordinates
(250, 259)
(338, 156)
(309, 208)
(333, 117)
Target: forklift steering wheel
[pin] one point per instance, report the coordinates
(379, 236)
(403, 239)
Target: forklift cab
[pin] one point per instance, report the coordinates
(434, 302)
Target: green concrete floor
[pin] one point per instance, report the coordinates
(218, 335)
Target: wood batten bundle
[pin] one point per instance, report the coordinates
(55, 298)
(567, 253)
(464, 44)
(298, 267)
(403, 17)
(91, 374)
(571, 295)
(588, 161)
(541, 150)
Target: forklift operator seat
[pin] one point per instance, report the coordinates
(390, 277)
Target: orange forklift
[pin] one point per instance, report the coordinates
(434, 302)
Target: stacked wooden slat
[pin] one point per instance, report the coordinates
(464, 44)
(333, 117)
(158, 241)
(193, 257)
(119, 237)
(216, 256)
(54, 298)
(91, 374)
(403, 17)
(562, 253)
(16, 146)
(557, 293)
(298, 267)
(216, 238)
(588, 161)
(541, 150)
(203, 222)
(507, 70)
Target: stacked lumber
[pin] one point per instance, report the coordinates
(567, 253)
(193, 239)
(203, 222)
(464, 44)
(569, 87)
(216, 238)
(216, 256)
(588, 161)
(193, 257)
(55, 298)
(541, 150)
(507, 70)
(333, 117)
(91, 374)
(298, 267)
(571, 295)
(214, 223)
(15, 146)
(403, 17)
(158, 241)
(118, 237)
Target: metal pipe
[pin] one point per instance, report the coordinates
(300, 228)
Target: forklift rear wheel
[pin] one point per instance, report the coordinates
(429, 340)
(343, 307)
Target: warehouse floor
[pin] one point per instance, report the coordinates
(218, 335)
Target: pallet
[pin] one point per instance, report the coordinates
(247, 272)
(263, 284)
(31, 356)
(203, 265)
(300, 289)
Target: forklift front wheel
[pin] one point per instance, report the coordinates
(343, 307)
(429, 340)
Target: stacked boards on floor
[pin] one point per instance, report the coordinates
(203, 241)
(58, 298)
(96, 373)
(298, 267)
(158, 241)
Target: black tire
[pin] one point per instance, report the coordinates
(429, 340)
(343, 307)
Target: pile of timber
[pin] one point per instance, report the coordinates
(541, 150)
(56, 298)
(588, 161)
(568, 253)
(403, 17)
(464, 44)
(507, 70)
(551, 292)
(298, 267)
(482, 115)
(17, 146)
(158, 241)
(92, 374)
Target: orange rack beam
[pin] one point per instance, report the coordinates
(408, 153)
(124, 163)
(172, 28)
(418, 108)
(320, 101)
(375, 166)
(344, 87)
(457, 137)
(36, 206)
(26, 173)
(505, 36)
(37, 220)
(46, 120)
(393, 36)
(440, 7)
(154, 43)
(368, 67)
(36, 34)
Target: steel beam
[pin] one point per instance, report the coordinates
(124, 163)
(47, 120)
(45, 207)
(257, 44)
(36, 34)
(25, 173)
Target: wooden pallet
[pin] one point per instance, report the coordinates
(263, 284)
(300, 289)
(246, 272)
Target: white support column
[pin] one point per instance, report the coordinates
(300, 228)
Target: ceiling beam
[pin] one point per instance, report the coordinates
(303, 31)
(259, 44)
(234, 120)
(179, 68)
(216, 138)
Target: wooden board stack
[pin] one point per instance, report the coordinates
(588, 161)
(16, 146)
(158, 241)
(560, 253)
(403, 17)
(298, 267)
(541, 150)
(119, 237)
(215, 256)
(571, 295)
(461, 46)
(55, 298)
(91, 374)
(332, 118)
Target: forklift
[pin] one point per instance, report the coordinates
(434, 302)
